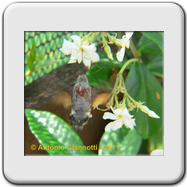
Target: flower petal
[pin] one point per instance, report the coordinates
(87, 62)
(129, 35)
(125, 113)
(120, 54)
(79, 57)
(109, 115)
(130, 123)
(73, 57)
(125, 39)
(93, 56)
(117, 124)
(157, 152)
(66, 47)
(72, 61)
(116, 111)
(76, 39)
(127, 44)
(89, 48)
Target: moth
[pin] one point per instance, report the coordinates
(81, 103)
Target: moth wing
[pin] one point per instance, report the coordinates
(87, 95)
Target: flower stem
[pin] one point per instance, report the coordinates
(127, 63)
(93, 36)
(134, 51)
(132, 99)
(82, 68)
(82, 65)
(116, 101)
(84, 38)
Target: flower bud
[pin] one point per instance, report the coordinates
(153, 114)
(111, 38)
(148, 111)
(130, 105)
(118, 42)
(108, 51)
(144, 109)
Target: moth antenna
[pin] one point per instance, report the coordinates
(97, 71)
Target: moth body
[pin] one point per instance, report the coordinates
(81, 103)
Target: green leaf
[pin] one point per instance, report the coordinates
(156, 37)
(101, 79)
(50, 130)
(143, 86)
(145, 45)
(156, 65)
(45, 64)
(103, 55)
(32, 55)
(120, 142)
(39, 57)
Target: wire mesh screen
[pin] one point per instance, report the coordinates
(47, 45)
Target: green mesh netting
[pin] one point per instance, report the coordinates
(47, 44)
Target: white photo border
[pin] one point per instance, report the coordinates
(20, 17)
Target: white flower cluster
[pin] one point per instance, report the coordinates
(80, 52)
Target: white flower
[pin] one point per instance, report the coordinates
(157, 152)
(81, 53)
(125, 44)
(121, 117)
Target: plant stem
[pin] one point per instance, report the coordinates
(134, 51)
(116, 100)
(82, 64)
(132, 99)
(93, 36)
(86, 37)
(82, 68)
(127, 63)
